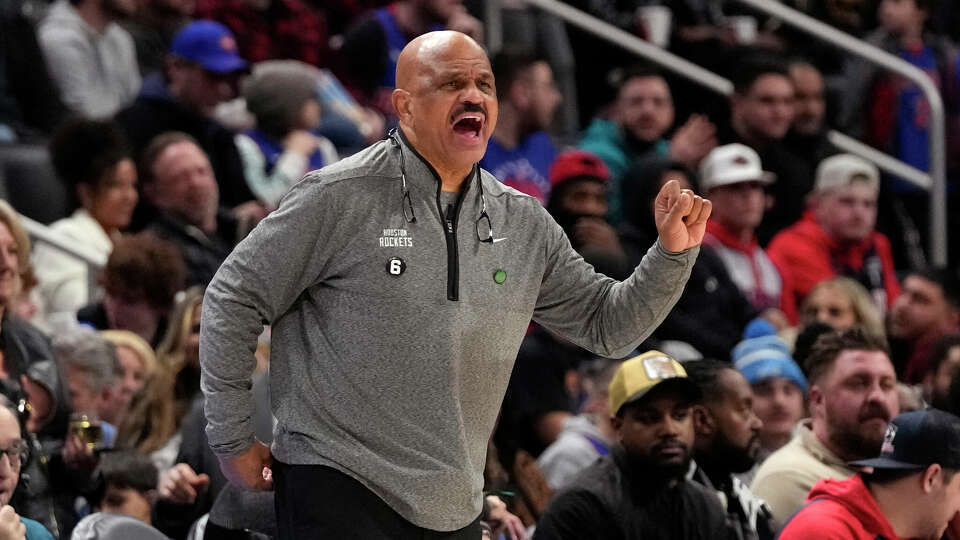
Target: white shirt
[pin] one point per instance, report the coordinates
(64, 283)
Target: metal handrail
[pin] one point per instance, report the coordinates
(934, 181)
(937, 133)
(95, 262)
(679, 65)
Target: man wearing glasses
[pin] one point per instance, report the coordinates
(13, 450)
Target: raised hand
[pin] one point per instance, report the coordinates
(693, 140)
(11, 528)
(681, 217)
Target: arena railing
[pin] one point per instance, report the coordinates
(40, 233)
(934, 181)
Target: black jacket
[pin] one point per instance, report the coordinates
(712, 312)
(45, 490)
(203, 254)
(605, 502)
(155, 112)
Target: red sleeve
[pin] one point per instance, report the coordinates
(891, 284)
(823, 520)
(802, 265)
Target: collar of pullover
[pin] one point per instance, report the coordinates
(421, 173)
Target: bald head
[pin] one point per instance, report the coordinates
(446, 100)
(431, 49)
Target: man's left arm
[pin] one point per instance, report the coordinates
(611, 318)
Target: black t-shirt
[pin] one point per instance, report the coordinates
(603, 503)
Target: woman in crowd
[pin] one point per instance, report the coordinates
(28, 373)
(92, 156)
(138, 362)
(155, 420)
(841, 303)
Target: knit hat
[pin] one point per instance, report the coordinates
(276, 91)
(764, 355)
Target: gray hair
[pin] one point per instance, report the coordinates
(83, 349)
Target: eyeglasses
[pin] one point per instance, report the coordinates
(483, 225)
(16, 452)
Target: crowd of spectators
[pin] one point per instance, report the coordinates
(173, 127)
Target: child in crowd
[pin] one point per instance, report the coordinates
(282, 96)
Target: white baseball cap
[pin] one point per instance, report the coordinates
(732, 164)
(839, 170)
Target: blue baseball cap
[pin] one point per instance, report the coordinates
(918, 439)
(209, 44)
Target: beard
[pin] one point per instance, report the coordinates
(732, 458)
(648, 470)
(855, 438)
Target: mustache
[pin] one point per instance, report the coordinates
(469, 108)
(873, 410)
(669, 443)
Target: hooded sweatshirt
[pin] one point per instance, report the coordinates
(839, 509)
(806, 254)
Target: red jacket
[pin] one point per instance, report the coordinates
(839, 510)
(806, 255)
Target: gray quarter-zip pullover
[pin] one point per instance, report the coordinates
(393, 340)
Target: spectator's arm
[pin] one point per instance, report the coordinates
(269, 188)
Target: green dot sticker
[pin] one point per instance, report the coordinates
(499, 277)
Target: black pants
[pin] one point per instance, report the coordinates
(315, 502)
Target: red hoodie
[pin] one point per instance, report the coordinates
(839, 510)
(806, 255)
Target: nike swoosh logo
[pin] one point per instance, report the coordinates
(495, 240)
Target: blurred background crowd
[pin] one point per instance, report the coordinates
(140, 140)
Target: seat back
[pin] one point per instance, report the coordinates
(30, 184)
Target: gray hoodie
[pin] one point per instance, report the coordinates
(393, 339)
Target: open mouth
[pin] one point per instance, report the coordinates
(468, 125)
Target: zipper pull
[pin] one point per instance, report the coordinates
(448, 219)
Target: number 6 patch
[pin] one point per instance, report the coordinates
(396, 266)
